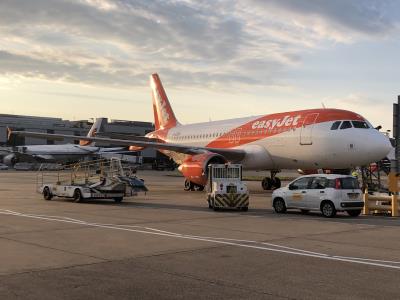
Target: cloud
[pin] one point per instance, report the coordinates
(366, 106)
(199, 43)
(371, 17)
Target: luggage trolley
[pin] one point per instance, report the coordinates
(99, 179)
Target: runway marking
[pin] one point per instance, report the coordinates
(218, 240)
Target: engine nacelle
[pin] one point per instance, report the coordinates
(10, 159)
(195, 168)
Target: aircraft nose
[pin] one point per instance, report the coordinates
(383, 145)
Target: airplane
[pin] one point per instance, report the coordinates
(305, 139)
(61, 153)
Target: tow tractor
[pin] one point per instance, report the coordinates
(100, 179)
(226, 188)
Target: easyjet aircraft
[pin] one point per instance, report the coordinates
(305, 139)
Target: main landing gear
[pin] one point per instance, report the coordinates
(271, 183)
(191, 186)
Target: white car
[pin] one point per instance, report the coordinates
(327, 193)
(3, 167)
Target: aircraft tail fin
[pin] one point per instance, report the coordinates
(98, 126)
(164, 116)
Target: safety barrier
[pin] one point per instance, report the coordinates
(371, 204)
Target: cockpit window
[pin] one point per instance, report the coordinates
(360, 124)
(345, 125)
(335, 125)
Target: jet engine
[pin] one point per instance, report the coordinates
(195, 168)
(10, 159)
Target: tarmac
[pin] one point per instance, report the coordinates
(167, 244)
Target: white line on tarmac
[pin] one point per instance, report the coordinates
(224, 241)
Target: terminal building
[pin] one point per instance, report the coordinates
(60, 126)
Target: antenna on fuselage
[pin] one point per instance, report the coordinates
(323, 105)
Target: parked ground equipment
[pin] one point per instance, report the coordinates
(226, 188)
(100, 179)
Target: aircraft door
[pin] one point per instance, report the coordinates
(306, 129)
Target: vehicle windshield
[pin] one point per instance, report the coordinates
(349, 183)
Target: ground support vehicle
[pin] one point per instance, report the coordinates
(225, 188)
(328, 193)
(100, 179)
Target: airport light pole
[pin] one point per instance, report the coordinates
(395, 167)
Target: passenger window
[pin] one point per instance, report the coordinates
(360, 124)
(345, 125)
(319, 183)
(300, 184)
(336, 125)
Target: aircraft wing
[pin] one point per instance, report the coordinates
(229, 154)
(123, 136)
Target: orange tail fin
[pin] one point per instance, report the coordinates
(164, 116)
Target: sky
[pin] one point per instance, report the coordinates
(217, 59)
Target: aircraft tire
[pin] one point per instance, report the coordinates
(187, 185)
(199, 188)
(266, 183)
(276, 183)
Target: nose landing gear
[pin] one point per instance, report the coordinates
(271, 183)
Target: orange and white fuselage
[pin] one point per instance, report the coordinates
(290, 140)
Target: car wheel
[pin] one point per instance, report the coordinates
(354, 213)
(279, 206)
(47, 194)
(328, 209)
(78, 195)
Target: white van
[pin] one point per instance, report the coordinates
(327, 193)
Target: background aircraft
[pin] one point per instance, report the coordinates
(61, 153)
(305, 139)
